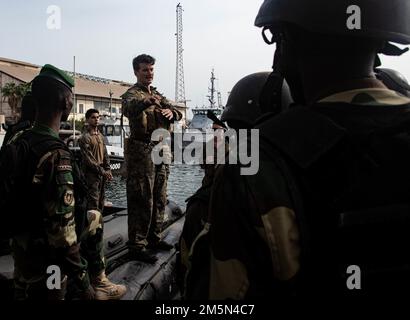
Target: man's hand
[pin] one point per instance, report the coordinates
(152, 101)
(167, 113)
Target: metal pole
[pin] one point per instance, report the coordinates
(1, 95)
(75, 108)
(122, 129)
(111, 93)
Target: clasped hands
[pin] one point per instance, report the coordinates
(167, 113)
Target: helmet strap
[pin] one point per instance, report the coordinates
(270, 99)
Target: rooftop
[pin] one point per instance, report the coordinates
(86, 85)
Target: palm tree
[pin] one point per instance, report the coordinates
(14, 94)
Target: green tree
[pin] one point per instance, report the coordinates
(14, 94)
(79, 124)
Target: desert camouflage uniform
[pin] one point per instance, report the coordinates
(52, 238)
(146, 182)
(254, 236)
(92, 147)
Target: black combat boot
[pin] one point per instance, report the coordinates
(141, 254)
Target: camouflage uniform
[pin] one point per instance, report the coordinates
(262, 257)
(95, 162)
(51, 238)
(146, 182)
(197, 220)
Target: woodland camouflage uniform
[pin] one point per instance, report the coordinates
(146, 182)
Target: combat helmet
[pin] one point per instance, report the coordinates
(386, 20)
(243, 106)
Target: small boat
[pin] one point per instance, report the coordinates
(114, 136)
(143, 281)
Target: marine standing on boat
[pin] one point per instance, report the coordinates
(147, 110)
(95, 160)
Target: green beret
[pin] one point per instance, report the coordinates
(49, 71)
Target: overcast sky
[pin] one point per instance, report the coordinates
(105, 35)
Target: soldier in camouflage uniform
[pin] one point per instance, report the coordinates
(96, 163)
(53, 235)
(48, 237)
(241, 111)
(147, 110)
(341, 151)
(96, 166)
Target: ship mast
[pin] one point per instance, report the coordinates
(212, 91)
(179, 81)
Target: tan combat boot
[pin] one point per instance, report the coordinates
(105, 289)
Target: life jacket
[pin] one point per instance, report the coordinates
(351, 197)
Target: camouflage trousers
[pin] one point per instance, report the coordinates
(146, 194)
(32, 257)
(96, 191)
(92, 242)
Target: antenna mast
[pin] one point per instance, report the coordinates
(179, 81)
(212, 90)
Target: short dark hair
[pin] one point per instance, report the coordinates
(49, 94)
(142, 58)
(90, 112)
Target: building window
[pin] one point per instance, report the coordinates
(110, 130)
(81, 106)
(102, 106)
(117, 130)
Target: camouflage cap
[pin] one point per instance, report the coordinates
(52, 72)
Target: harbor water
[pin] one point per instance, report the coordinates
(183, 181)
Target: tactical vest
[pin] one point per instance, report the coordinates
(19, 199)
(351, 196)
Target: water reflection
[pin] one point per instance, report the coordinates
(184, 180)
